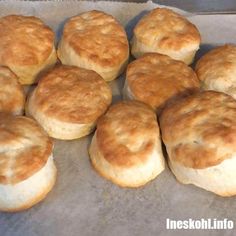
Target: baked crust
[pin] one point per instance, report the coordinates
(12, 97)
(96, 41)
(25, 41)
(37, 199)
(155, 79)
(217, 69)
(72, 94)
(218, 179)
(127, 134)
(133, 177)
(164, 29)
(24, 148)
(202, 131)
(98, 37)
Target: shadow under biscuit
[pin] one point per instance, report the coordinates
(204, 48)
(132, 23)
(59, 30)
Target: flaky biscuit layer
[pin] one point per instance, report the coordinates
(164, 31)
(26, 46)
(95, 40)
(12, 97)
(24, 148)
(217, 70)
(155, 79)
(126, 147)
(200, 131)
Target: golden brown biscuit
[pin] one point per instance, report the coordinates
(27, 170)
(164, 31)
(12, 97)
(126, 147)
(96, 41)
(156, 79)
(200, 137)
(217, 70)
(68, 101)
(26, 46)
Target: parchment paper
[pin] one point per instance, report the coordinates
(82, 202)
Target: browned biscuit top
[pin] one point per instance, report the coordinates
(200, 131)
(72, 94)
(127, 133)
(24, 40)
(155, 78)
(218, 66)
(24, 148)
(12, 96)
(164, 29)
(97, 36)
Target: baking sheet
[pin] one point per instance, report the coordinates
(82, 202)
(203, 6)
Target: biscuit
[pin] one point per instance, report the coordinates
(156, 79)
(96, 41)
(26, 46)
(27, 170)
(126, 146)
(164, 31)
(12, 97)
(217, 70)
(199, 133)
(68, 101)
